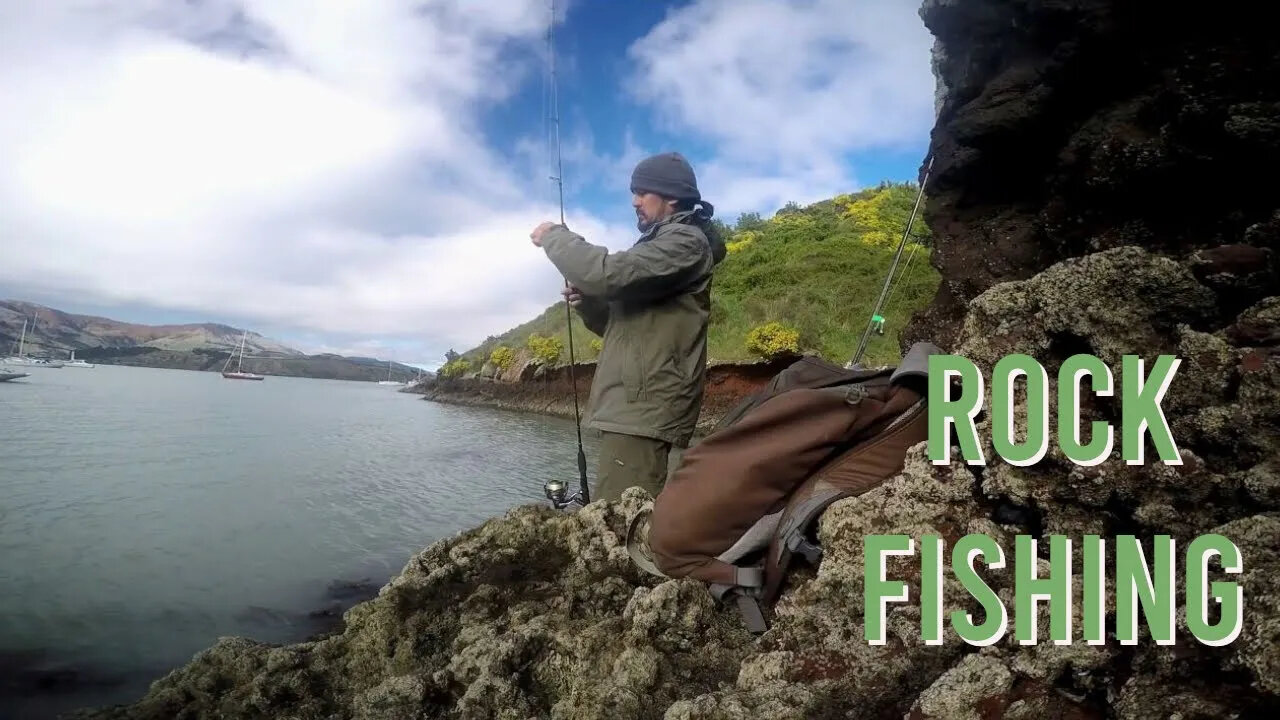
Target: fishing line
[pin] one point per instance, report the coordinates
(899, 281)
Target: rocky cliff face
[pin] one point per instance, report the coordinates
(1073, 126)
(1065, 123)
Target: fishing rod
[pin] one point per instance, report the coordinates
(556, 490)
(897, 257)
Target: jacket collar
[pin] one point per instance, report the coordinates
(672, 218)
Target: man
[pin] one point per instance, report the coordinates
(651, 304)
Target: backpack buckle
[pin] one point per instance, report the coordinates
(798, 543)
(855, 394)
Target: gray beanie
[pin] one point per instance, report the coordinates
(667, 174)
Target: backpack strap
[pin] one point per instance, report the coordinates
(808, 372)
(751, 614)
(861, 468)
(756, 538)
(747, 598)
(749, 577)
(638, 542)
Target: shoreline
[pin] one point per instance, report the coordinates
(551, 393)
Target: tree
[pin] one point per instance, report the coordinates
(749, 221)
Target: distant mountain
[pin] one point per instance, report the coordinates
(199, 346)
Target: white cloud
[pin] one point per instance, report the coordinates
(313, 166)
(786, 90)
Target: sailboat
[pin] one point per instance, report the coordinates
(22, 359)
(389, 381)
(239, 374)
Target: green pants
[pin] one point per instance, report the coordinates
(627, 460)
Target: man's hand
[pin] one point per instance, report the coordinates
(572, 295)
(539, 231)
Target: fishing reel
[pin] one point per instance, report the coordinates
(557, 492)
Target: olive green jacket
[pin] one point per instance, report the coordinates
(651, 303)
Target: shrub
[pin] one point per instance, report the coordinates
(881, 216)
(741, 240)
(597, 344)
(454, 368)
(772, 339)
(502, 357)
(546, 350)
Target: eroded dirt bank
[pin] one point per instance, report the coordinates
(551, 393)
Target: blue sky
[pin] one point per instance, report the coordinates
(362, 178)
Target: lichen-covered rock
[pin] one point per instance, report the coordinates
(967, 691)
(1111, 303)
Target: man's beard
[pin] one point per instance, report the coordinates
(642, 224)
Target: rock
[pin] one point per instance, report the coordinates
(971, 690)
(1259, 326)
(1070, 127)
(1239, 274)
(343, 590)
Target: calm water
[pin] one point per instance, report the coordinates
(144, 513)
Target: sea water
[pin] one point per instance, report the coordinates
(145, 512)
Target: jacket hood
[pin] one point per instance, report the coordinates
(718, 249)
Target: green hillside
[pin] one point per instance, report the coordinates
(816, 271)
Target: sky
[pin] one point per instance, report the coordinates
(362, 177)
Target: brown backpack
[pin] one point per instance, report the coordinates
(743, 501)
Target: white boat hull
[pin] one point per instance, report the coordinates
(32, 362)
(241, 376)
(73, 362)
